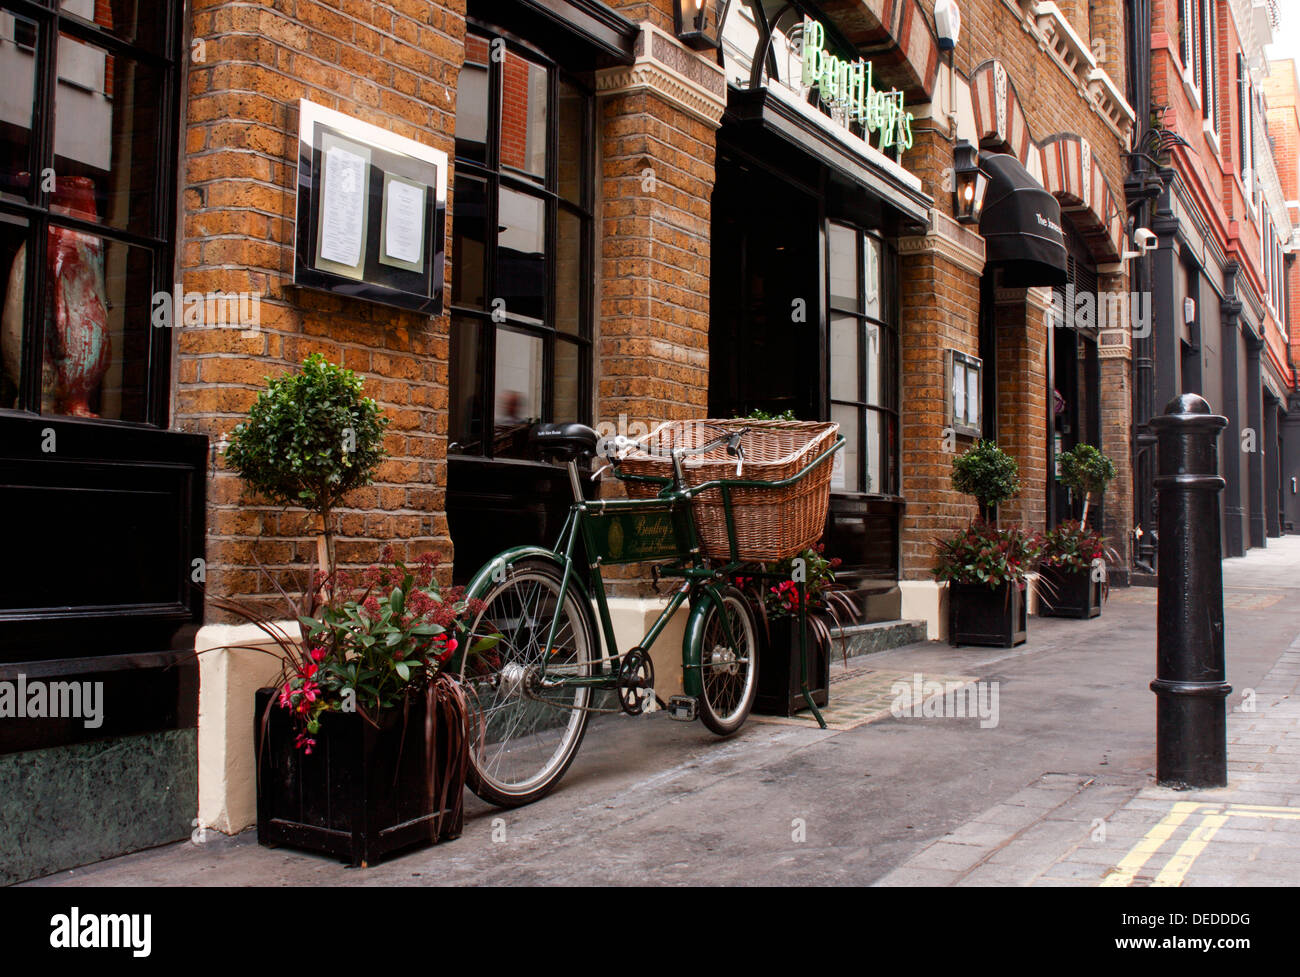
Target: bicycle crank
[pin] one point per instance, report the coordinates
(636, 682)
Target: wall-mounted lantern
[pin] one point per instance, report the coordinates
(699, 22)
(969, 183)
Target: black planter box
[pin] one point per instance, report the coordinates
(361, 795)
(1068, 593)
(982, 615)
(779, 687)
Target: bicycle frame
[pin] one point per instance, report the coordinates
(698, 578)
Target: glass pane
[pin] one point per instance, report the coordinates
(872, 359)
(134, 21)
(100, 309)
(13, 266)
(106, 123)
(466, 423)
(882, 469)
(871, 274)
(521, 240)
(18, 46)
(568, 358)
(569, 286)
(469, 237)
(518, 400)
(877, 473)
(571, 118)
(844, 266)
(844, 357)
(523, 116)
(472, 101)
(845, 476)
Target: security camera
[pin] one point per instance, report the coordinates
(1145, 239)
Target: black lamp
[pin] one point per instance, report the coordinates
(970, 184)
(699, 22)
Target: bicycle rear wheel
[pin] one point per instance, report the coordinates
(523, 736)
(728, 668)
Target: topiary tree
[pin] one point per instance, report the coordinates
(310, 438)
(988, 473)
(1085, 469)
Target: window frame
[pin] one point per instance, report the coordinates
(495, 177)
(885, 320)
(160, 240)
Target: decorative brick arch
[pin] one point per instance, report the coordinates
(1065, 160)
(1071, 174)
(897, 38)
(1000, 121)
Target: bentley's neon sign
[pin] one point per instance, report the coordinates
(847, 86)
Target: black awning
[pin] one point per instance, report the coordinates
(1021, 226)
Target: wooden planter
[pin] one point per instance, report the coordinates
(362, 793)
(1068, 593)
(983, 615)
(779, 686)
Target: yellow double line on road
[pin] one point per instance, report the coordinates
(1213, 817)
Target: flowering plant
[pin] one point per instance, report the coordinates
(384, 633)
(1072, 546)
(782, 598)
(829, 605)
(984, 554)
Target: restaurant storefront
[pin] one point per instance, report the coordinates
(807, 212)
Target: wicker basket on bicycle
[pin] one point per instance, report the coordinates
(771, 523)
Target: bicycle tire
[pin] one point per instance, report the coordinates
(728, 676)
(497, 692)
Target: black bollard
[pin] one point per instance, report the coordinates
(1191, 730)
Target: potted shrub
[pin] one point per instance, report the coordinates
(361, 749)
(776, 597)
(1073, 568)
(1070, 574)
(986, 570)
(985, 567)
(310, 438)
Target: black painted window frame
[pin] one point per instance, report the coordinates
(159, 241)
(887, 322)
(495, 177)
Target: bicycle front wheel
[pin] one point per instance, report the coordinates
(527, 724)
(728, 663)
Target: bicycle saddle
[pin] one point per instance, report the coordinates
(571, 440)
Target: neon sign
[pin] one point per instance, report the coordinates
(847, 86)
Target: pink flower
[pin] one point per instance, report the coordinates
(285, 694)
(318, 654)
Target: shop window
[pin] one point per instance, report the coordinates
(863, 362)
(521, 306)
(87, 162)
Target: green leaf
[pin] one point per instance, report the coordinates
(485, 644)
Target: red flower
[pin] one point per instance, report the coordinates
(318, 654)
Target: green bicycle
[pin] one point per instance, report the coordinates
(535, 680)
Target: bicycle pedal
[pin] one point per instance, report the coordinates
(682, 708)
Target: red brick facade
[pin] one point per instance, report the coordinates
(396, 64)
(391, 64)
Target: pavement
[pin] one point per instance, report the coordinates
(942, 767)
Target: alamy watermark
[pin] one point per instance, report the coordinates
(1106, 311)
(931, 699)
(206, 310)
(38, 699)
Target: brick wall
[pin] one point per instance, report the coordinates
(941, 300)
(393, 64)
